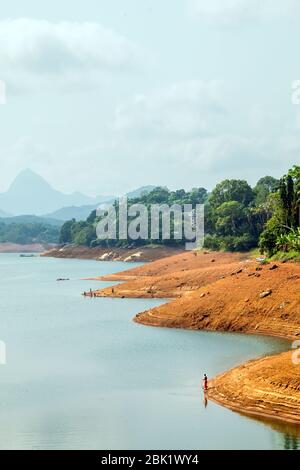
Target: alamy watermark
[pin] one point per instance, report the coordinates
(295, 95)
(2, 92)
(119, 221)
(2, 353)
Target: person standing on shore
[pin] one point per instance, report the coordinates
(205, 380)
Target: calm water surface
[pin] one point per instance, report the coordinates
(80, 374)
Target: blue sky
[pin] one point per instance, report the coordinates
(105, 96)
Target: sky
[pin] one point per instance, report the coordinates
(103, 97)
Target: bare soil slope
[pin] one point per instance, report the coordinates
(250, 301)
(268, 387)
(173, 276)
(225, 292)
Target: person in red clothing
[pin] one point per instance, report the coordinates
(205, 379)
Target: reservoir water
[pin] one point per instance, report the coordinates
(81, 375)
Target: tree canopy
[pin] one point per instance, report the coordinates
(237, 216)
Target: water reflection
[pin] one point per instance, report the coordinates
(288, 434)
(291, 442)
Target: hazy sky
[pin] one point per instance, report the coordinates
(104, 96)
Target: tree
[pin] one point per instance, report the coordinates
(230, 218)
(85, 236)
(263, 188)
(66, 233)
(295, 174)
(231, 190)
(289, 191)
(281, 232)
(92, 217)
(198, 195)
(158, 195)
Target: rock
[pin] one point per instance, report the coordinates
(284, 316)
(266, 293)
(257, 275)
(202, 295)
(246, 300)
(274, 266)
(212, 260)
(205, 315)
(237, 272)
(258, 268)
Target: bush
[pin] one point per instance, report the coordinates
(289, 241)
(230, 243)
(211, 242)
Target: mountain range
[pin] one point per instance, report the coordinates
(31, 194)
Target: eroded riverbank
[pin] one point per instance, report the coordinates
(217, 292)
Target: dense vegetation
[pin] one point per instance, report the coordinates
(281, 233)
(84, 232)
(26, 233)
(237, 216)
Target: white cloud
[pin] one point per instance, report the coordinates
(183, 135)
(41, 50)
(235, 12)
(190, 132)
(183, 109)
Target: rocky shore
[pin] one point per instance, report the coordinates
(142, 254)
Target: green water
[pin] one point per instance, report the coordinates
(81, 375)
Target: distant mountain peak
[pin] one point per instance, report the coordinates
(27, 173)
(30, 193)
(28, 177)
(140, 191)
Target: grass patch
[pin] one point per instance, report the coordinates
(284, 256)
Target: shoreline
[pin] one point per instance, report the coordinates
(262, 397)
(222, 292)
(142, 254)
(8, 247)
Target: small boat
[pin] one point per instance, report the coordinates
(62, 279)
(27, 255)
